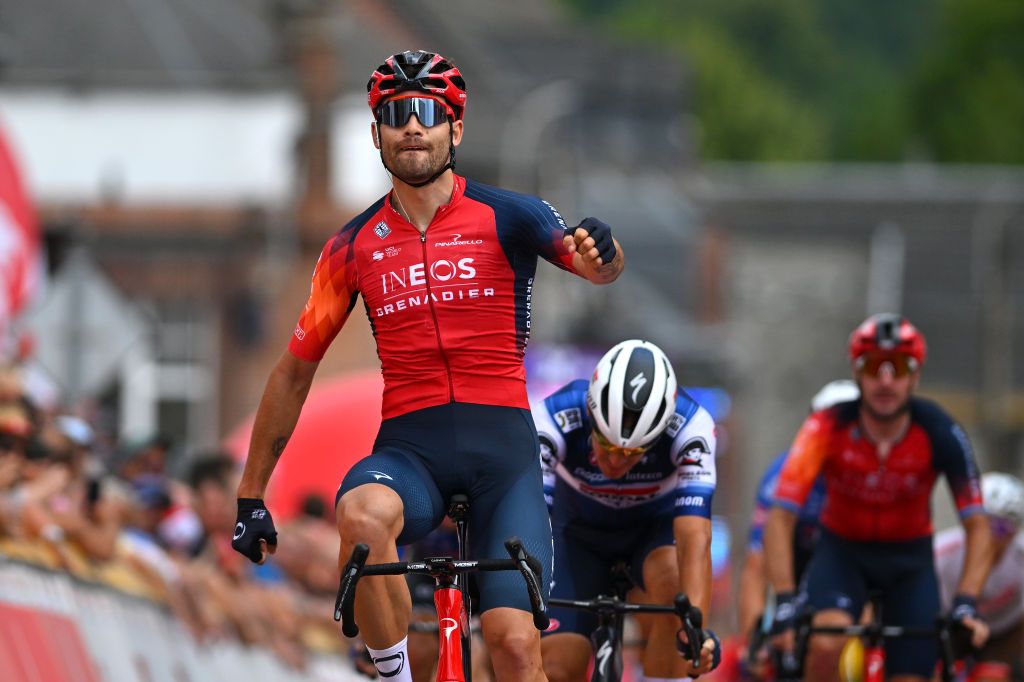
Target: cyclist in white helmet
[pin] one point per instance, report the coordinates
(1001, 602)
(629, 473)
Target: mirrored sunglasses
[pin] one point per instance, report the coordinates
(429, 112)
(615, 449)
(873, 364)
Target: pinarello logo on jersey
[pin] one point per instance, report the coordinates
(457, 240)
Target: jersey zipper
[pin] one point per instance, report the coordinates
(433, 314)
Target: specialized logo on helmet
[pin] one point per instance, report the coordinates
(637, 383)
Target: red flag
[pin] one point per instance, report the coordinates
(20, 243)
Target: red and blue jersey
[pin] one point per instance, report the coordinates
(870, 498)
(807, 520)
(449, 308)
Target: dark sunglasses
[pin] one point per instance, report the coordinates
(872, 364)
(429, 112)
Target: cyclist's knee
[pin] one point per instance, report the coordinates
(661, 575)
(369, 513)
(565, 657)
(509, 633)
(828, 646)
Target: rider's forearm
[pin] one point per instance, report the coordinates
(978, 555)
(693, 554)
(276, 417)
(778, 549)
(752, 587)
(603, 274)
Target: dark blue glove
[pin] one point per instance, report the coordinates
(253, 524)
(601, 233)
(785, 612)
(717, 656)
(964, 606)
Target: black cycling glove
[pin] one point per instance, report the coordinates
(963, 606)
(785, 612)
(253, 524)
(601, 233)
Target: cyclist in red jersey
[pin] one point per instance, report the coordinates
(880, 457)
(445, 267)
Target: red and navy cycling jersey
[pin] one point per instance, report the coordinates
(676, 476)
(449, 308)
(868, 498)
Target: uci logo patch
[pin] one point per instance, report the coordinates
(381, 229)
(569, 420)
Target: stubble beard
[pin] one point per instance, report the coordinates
(415, 168)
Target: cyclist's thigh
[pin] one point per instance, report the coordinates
(834, 578)
(423, 505)
(580, 573)
(658, 533)
(506, 497)
(913, 600)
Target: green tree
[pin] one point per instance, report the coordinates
(968, 102)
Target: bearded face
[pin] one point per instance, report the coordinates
(414, 153)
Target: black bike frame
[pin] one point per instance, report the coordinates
(606, 638)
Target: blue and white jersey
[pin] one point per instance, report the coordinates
(676, 476)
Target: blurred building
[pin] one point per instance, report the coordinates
(189, 159)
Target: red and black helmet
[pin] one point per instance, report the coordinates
(418, 71)
(888, 332)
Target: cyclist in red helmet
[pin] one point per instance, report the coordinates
(445, 267)
(880, 456)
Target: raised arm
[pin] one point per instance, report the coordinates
(276, 417)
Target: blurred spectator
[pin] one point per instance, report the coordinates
(140, 531)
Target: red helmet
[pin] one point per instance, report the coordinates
(418, 71)
(888, 332)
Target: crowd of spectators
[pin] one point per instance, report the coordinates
(73, 499)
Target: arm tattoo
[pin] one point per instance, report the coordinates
(278, 446)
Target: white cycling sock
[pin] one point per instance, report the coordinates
(392, 663)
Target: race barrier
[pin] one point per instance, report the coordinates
(56, 628)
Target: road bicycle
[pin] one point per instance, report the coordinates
(870, 667)
(451, 594)
(611, 611)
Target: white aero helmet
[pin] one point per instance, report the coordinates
(1004, 496)
(632, 395)
(833, 393)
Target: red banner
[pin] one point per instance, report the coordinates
(36, 645)
(19, 242)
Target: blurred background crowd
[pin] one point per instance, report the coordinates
(169, 170)
(114, 513)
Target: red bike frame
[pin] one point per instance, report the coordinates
(451, 597)
(452, 622)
